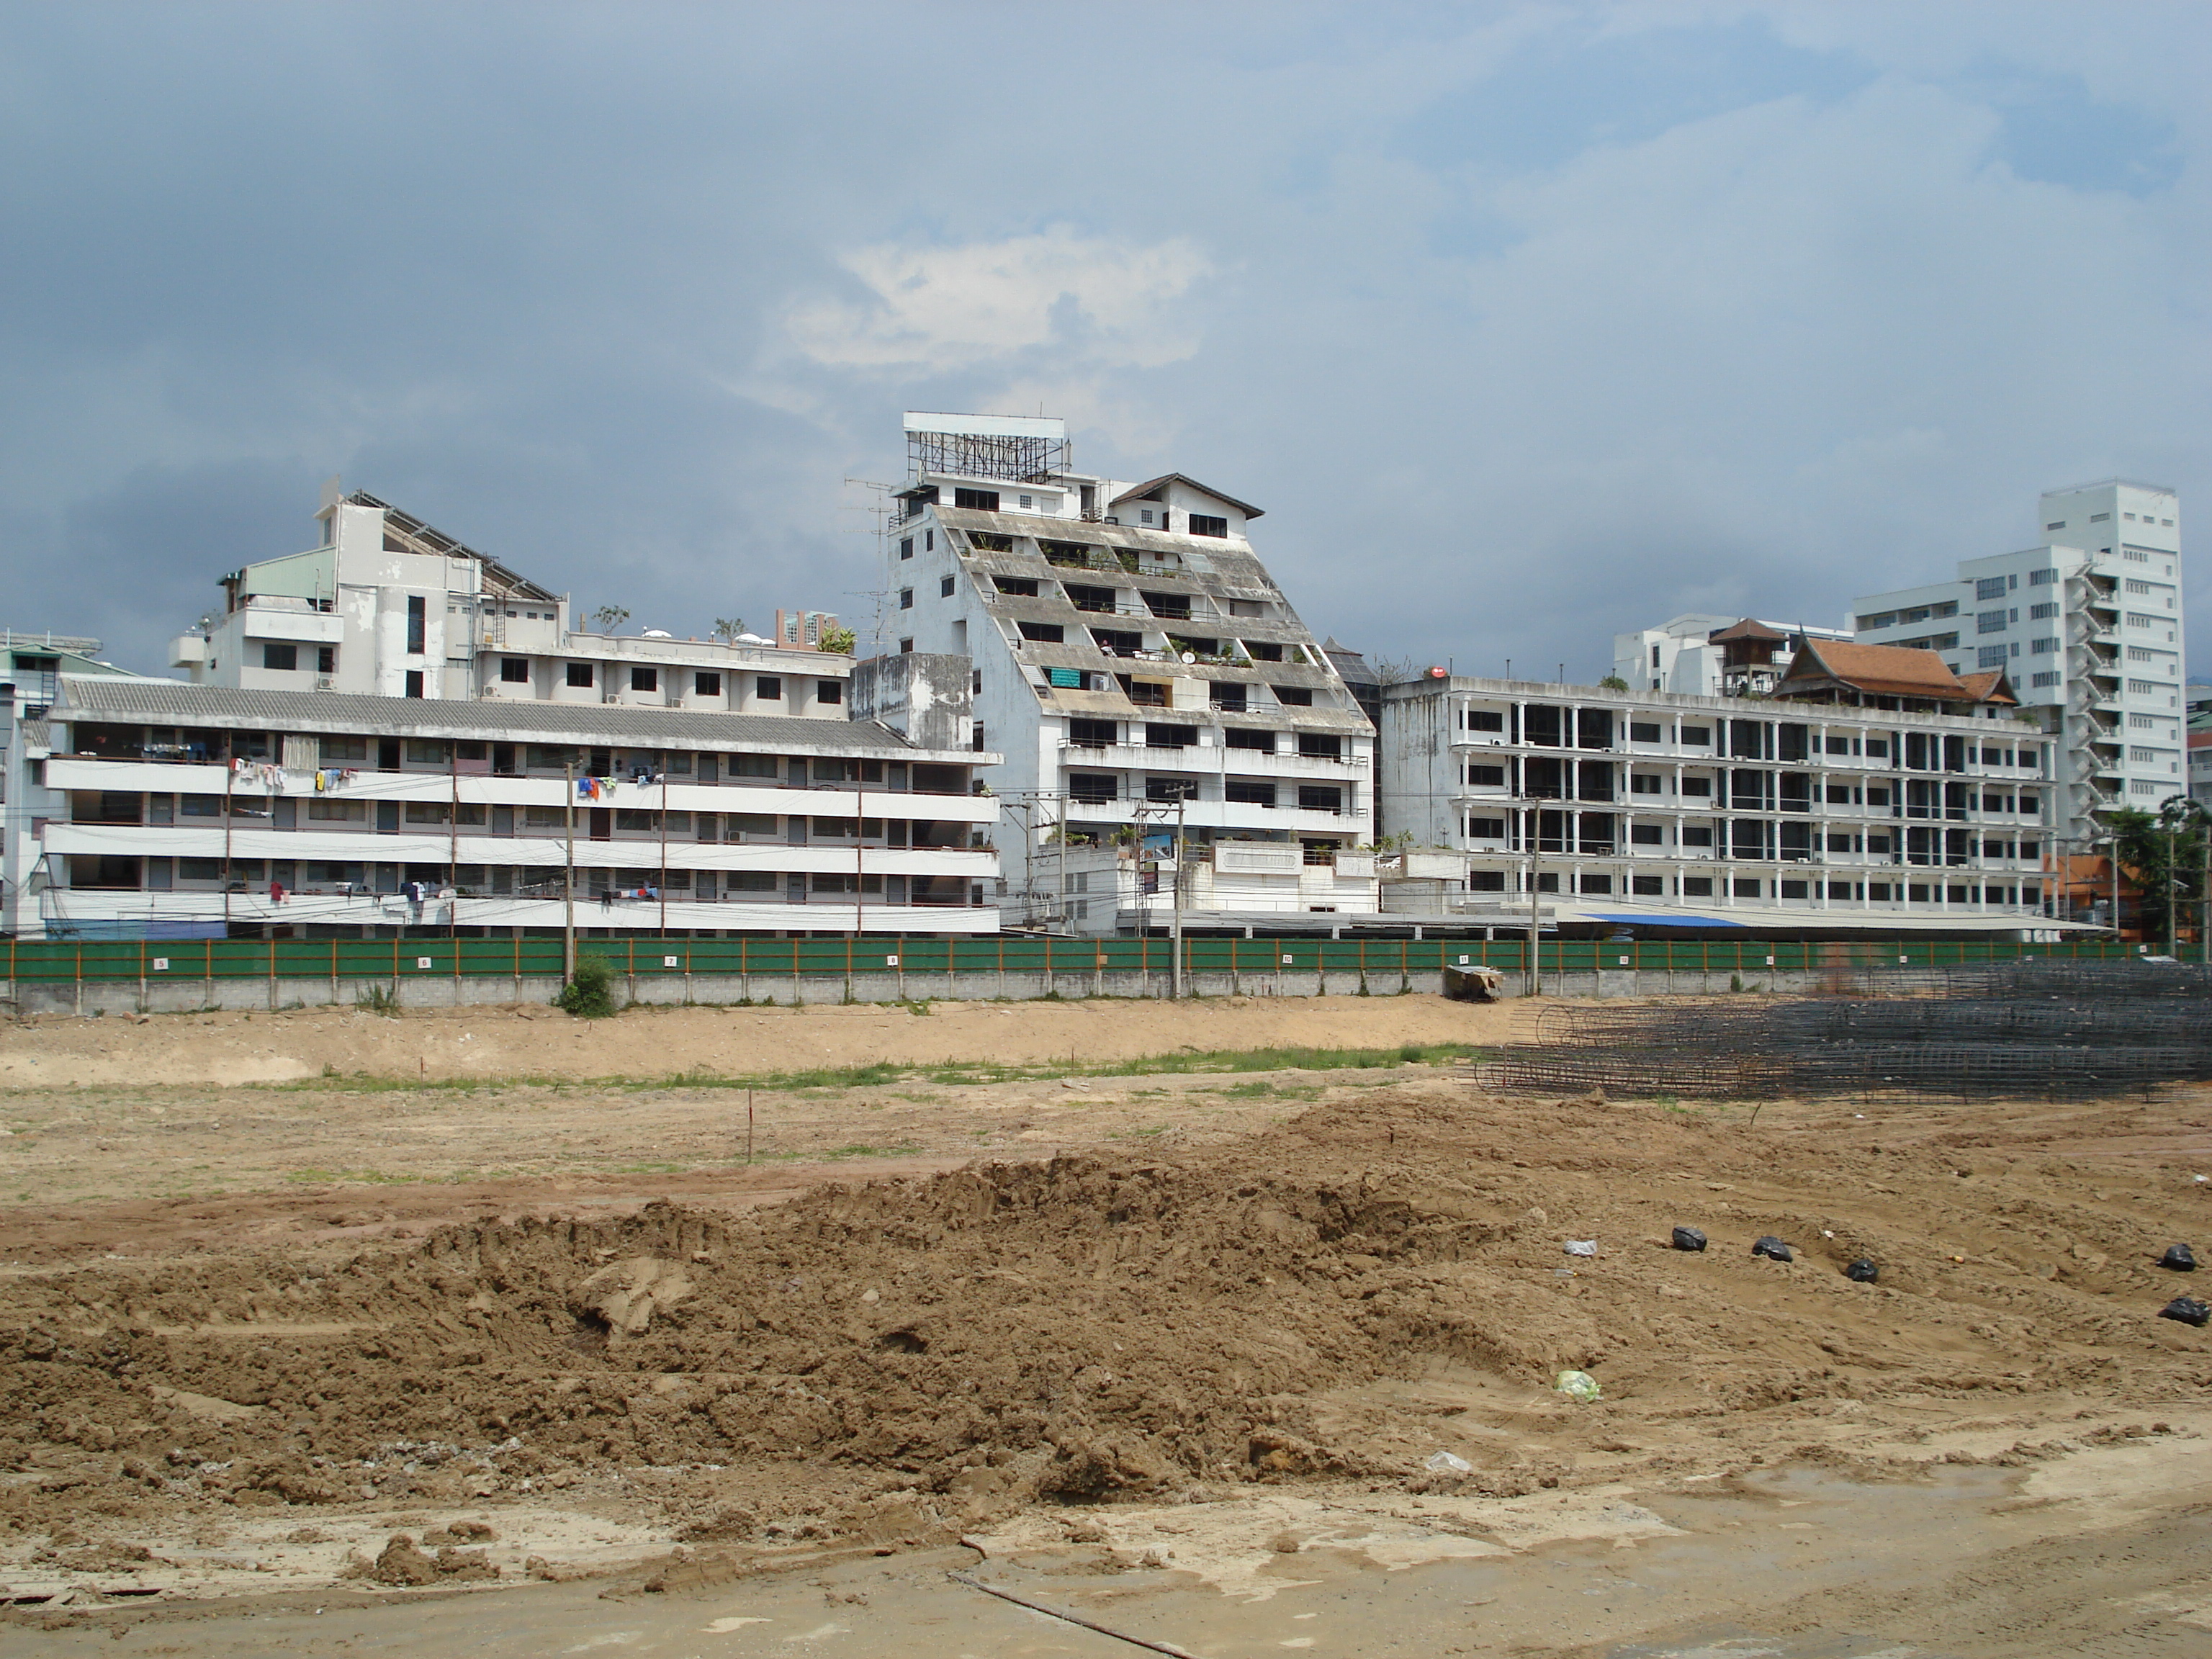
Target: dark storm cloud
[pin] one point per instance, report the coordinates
(1526, 324)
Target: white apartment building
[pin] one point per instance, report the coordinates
(1699, 655)
(388, 606)
(2087, 625)
(1646, 809)
(1142, 674)
(35, 665)
(207, 812)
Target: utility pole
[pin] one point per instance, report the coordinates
(454, 839)
(1175, 912)
(1535, 976)
(568, 880)
(2173, 884)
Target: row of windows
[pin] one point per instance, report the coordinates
(1100, 788)
(297, 876)
(1106, 734)
(1750, 887)
(1909, 616)
(705, 683)
(1598, 832)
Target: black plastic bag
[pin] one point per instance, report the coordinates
(1773, 1247)
(1862, 1272)
(2185, 1309)
(1689, 1238)
(2180, 1258)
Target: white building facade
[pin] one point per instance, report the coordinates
(186, 811)
(1628, 807)
(1144, 677)
(2087, 627)
(388, 606)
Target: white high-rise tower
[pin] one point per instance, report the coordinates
(2087, 626)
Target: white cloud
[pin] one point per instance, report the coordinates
(946, 308)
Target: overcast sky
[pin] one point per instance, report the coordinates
(1526, 324)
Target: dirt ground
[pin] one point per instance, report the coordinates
(1236, 1361)
(532, 1041)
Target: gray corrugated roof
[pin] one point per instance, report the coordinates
(168, 703)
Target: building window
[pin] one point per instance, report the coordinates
(1043, 633)
(1487, 777)
(906, 599)
(704, 685)
(1990, 622)
(418, 624)
(975, 743)
(1989, 587)
(1646, 834)
(579, 674)
(979, 500)
(1992, 656)
(944, 587)
(514, 671)
(906, 547)
(829, 690)
(1205, 524)
(1485, 829)
(414, 682)
(1294, 696)
(644, 679)
(2042, 648)
(283, 658)
(1696, 887)
(326, 659)
(906, 647)
(1746, 889)
(768, 688)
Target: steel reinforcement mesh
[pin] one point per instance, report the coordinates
(2058, 1030)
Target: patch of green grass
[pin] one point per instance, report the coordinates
(971, 1075)
(648, 1169)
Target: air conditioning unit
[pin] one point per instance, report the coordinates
(324, 682)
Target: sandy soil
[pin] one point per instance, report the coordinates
(1183, 1352)
(531, 1041)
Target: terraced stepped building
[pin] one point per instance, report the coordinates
(1139, 669)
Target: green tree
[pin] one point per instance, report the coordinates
(729, 627)
(610, 617)
(839, 642)
(1614, 683)
(2162, 853)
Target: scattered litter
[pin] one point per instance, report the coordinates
(1862, 1272)
(1773, 1248)
(1582, 1386)
(1582, 1247)
(1689, 1238)
(1444, 1463)
(2187, 1311)
(2180, 1258)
